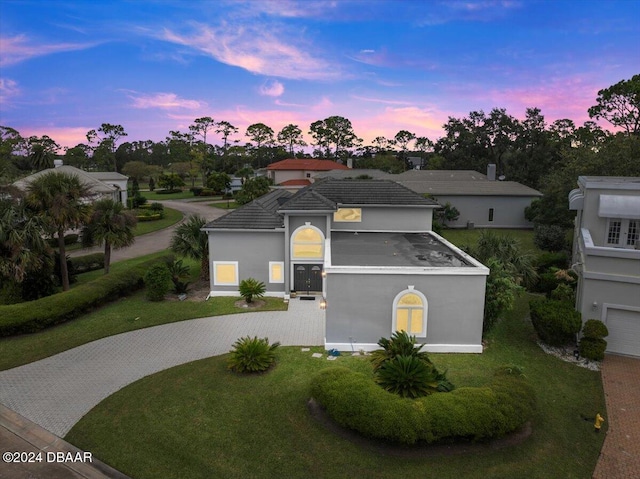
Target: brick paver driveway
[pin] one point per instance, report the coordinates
(620, 455)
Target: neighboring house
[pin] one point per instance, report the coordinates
(298, 172)
(367, 248)
(606, 256)
(101, 184)
(482, 201)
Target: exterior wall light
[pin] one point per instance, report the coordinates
(594, 306)
(323, 304)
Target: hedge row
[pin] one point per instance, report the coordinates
(152, 217)
(89, 262)
(39, 314)
(354, 401)
(68, 240)
(556, 322)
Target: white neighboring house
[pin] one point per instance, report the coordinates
(606, 256)
(101, 184)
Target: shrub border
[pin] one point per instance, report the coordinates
(42, 313)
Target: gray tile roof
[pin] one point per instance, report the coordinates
(261, 213)
(361, 192)
(470, 188)
(440, 175)
(354, 173)
(94, 184)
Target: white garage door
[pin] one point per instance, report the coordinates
(624, 331)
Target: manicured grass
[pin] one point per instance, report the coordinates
(126, 314)
(199, 420)
(154, 196)
(463, 237)
(171, 217)
(225, 205)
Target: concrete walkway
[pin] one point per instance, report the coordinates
(56, 392)
(158, 240)
(620, 455)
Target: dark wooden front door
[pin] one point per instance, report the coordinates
(308, 277)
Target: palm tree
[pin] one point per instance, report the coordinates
(23, 248)
(188, 240)
(111, 224)
(60, 200)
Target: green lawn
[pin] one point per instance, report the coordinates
(199, 421)
(154, 196)
(225, 205)
(462, 237)
(171, 217)
(126, 314)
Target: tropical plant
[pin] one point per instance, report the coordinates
(22, 244)
(156, 281)
(109, 224)
(179, 272)
(500, 293)
(189, 240)
(400, 344)
(411, 377)
(60, 200)
(251, 289)
(252, 355)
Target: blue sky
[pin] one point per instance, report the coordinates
(66, 67)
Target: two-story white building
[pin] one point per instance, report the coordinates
(606, 255)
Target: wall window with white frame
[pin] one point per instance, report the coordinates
(348, 215)
(225, 273)
(307, 243)
(410, 312)
(623, 233)
(276, 272)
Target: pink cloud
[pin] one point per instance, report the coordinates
(164, 101)
(272, 88)
(257, 49)
(19, 48)
(8, 90)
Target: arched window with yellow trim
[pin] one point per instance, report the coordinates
(307, 243)
(410, 312)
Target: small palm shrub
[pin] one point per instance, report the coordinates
(179, 272)
(252, 355)
(157, 280)
(251, 288)
(592, 345)
(402, 368)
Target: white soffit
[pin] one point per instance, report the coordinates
(618, 206)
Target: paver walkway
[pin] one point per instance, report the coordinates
(56, 392)
(620, 455)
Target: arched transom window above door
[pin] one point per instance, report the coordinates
(410, 312)
(307, 243)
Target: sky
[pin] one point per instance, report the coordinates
(68, 66)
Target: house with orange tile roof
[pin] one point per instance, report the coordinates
(299, 172)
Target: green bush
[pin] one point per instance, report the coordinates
(156, 281)
(179, 273)
(550, 237)
(410, 377)
(208, 192)
(149, 217)
(556, 322)
(196, 190)
(168, 192)
(252, 355)
(39, 314)
(547, 260)
(592, 348)
(354, 401)
(157, 207)
(68, 240)
(400, 344)
(251, 289)
(89, 262)
(563, 292)
(595, 329)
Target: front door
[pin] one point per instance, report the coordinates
(308, 277)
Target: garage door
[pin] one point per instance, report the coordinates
(624, 331)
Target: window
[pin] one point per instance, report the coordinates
(308, 242)
(490, 214)
(623, 233)
(353, 215)
(225, 273)
(276, 272)
(410, 312)
(308, 175)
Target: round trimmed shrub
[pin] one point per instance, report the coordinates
(556, 322)
(592, 348)
(595, 329)
(354, 401)
(550, 237)
(157, 280)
